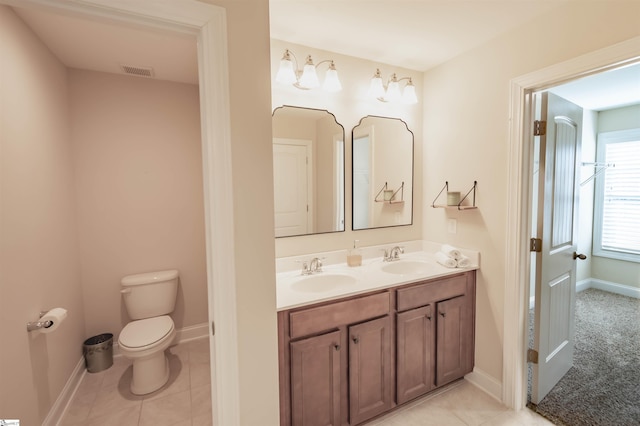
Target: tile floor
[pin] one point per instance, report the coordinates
(104, 399)
(459, 404)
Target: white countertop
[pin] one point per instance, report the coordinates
(293, 291)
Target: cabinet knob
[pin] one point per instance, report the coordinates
(355, 339)
(429, 317)
(443, 314)
(336, 347)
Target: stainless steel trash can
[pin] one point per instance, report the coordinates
(98, 352)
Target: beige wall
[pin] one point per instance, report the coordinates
(603, 268)
(38, 238)
(349, 106)
(585, 216)
(138, 168)
(466, 131)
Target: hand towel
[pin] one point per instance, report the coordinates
(463, 261)
(451, 251)
(445, 260)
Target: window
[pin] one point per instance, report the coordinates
(617, 198)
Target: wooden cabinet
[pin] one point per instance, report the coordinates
(435, 336)
(347, 361)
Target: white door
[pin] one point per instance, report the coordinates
(555, 291)
(291, 180)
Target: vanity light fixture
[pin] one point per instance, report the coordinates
(307, 78)
(391, 91)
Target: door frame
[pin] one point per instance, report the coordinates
(517, 257)
(208, 23)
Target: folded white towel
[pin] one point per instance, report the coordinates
(445, 260)
(463, 261)
(451, 251)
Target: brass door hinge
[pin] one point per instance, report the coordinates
(539, 128)
(532, 356)
(535, 244)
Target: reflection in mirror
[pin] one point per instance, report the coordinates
(382, 173)
(308, 171)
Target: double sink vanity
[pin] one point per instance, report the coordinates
(356, 342)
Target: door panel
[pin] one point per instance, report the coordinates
(370, 391)
(315, 380)
(454, 335)
(415, 353)
(556, 226)
(291, 189)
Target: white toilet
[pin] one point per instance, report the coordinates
(149, 298)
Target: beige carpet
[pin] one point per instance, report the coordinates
(603, 386)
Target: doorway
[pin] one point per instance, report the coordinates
(207, 24)
(518, 263)
(582, 383)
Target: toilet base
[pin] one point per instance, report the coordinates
(150, 374)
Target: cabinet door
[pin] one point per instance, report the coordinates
(454, 337)
(315, 380)
(370, 363)
(415, 358)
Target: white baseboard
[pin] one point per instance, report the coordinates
(603, 285)
(193, 332)
(609, 286)
(485, 382)
(60, 406)
(56, 413)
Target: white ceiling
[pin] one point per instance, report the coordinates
(412, 34)
(98, 45)
(418, 34)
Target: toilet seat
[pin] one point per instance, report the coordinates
(143, 334)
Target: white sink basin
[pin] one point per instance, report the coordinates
(322, 282)
(407, 267)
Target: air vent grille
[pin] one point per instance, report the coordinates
(146, 72)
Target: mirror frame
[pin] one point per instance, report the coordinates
(344, 171)
(413, 143)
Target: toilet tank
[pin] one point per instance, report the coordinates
(150, 294)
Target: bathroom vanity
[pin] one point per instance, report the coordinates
(349, 359)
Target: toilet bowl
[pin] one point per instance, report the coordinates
(149, 298)
(144, 342)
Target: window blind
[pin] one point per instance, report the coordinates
(620, 198)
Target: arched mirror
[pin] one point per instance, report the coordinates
(308, 171)
(382, 173)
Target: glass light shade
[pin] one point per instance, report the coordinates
(309, 79)
(376, 89)
(393, 92)
(331, 81)
(409, 94)
(286, 74)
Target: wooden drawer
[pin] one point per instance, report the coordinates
(433, 291)
(323, 318)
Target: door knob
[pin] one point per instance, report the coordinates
(579, 256)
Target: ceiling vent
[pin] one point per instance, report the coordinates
(146, 72)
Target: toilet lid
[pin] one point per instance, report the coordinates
(145, 332)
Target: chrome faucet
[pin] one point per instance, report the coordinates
(393, 253)
(313, 266)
